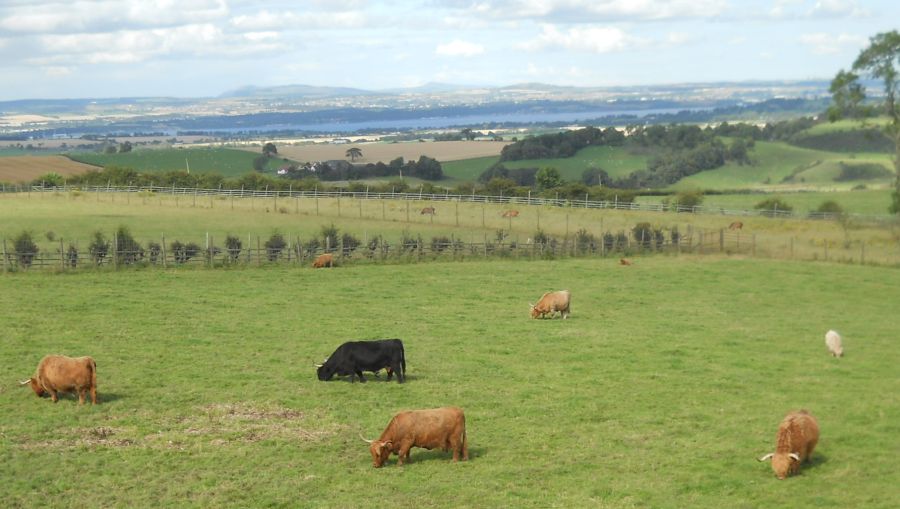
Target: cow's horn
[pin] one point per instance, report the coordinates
(767, 456)
(364, 439)
(795, 456)
(318, 365)
(24, 382)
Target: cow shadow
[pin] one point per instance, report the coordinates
(814, 461)
(376, 379)
(72, 397)
(419, 455)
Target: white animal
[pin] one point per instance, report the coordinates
(833, 341)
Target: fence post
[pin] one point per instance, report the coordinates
(826, 250)
(407, 210)
(62, 255)
(538, 218)
(5, 261)
(457, 212)
(482, 214)
(360, 207)
(258, 252)
(164, 251)
(339, 204)
(753, 241)
(382, 209)
(721, 240)
(116, 251)
(700, 245)
(792, 247)
(862, 253)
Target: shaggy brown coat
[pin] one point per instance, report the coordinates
(437, 428)
(427, 210)
(58, 373)
(737, 225)
(550, 303)
(510, 213)
(323, 260)
(797, 436)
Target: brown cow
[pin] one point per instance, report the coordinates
(737, 225)
(797, 436)
(550, 303)
(510, 213)
(58, 373)
(323, 260)
(443, 428)
(624, 261)
(427, 210)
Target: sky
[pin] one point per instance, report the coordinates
(203, 48)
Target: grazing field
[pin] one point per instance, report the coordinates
(661, 390)
(25, 168)
(224, 161)
(616, 161)
(467, 170)
(74, 217)
(773, 161)
(864, 201)
(385, 152)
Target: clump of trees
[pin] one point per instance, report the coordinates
(25, 249)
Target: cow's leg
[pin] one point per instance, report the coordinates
(360, 375)
(81, 396)
(403, 453)
(53, 395)
(93, 395)
(390, 373)
(399, 370)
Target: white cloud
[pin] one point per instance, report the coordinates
(590, 39)
(831, 44)
(56, 17)
(57, 71)
(580, 11)
(838, 8)
(459, 48)
(266, 20)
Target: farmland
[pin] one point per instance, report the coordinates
(385, 152)
(662, 389)
(25, 168)
(226, 162)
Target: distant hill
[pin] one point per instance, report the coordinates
(296, 91)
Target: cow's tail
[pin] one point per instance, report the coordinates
(92, 365)
(403, 358)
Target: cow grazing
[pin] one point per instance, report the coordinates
(797, 436)
(550, 303)
(624, 261)
(510, 213)
(833, 341)
(427, 210)
(737, 225)
(438, 428)
(354, 357)
(323, 260)
(58, 373)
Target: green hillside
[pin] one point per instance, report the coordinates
(868, 201)
(226, 162)
(616, 161)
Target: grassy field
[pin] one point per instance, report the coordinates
(617, 161)
(467, 170)
(773, 161)
(17, 169)
(74, 217)
(443, 151)
(227, 162)
(661, 390)
(867, 201)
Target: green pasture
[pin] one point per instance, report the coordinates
(773, 161)
(466, 170)
(224, 161)
(661, 390)
(866, 201)
(845, 125)
(616, 161)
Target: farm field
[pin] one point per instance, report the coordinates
(661, 390)
(616, 161)
(385, 152)
(866, 201)
(74, 217)
(17, 169)
(773, 161)
(226, 162)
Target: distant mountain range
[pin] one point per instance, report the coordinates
(299, 107)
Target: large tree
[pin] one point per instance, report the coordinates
(878, 61)
(354, 153)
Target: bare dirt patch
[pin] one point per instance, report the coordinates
(385, 152)
(21, 169)
(218, 425)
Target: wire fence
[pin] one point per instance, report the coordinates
(114, 254)
(586, 203)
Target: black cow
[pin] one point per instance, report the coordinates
(354, 357)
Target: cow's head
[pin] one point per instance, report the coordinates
(34, 386)
(380, 451)
(783, 464)
(534, 312)
(324, 371)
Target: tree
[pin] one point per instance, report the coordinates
(548, 178)
(468, 134)
(354, 153)
(879, 61)
(269, 149)
(124, 147)
(848, 94)
(260, 163)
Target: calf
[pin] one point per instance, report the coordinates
(58, 373)
(323, 260)
(737, 225)
(797, 436)
(550, 303)
(427, 210)
(438, 428)
(510, 213)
